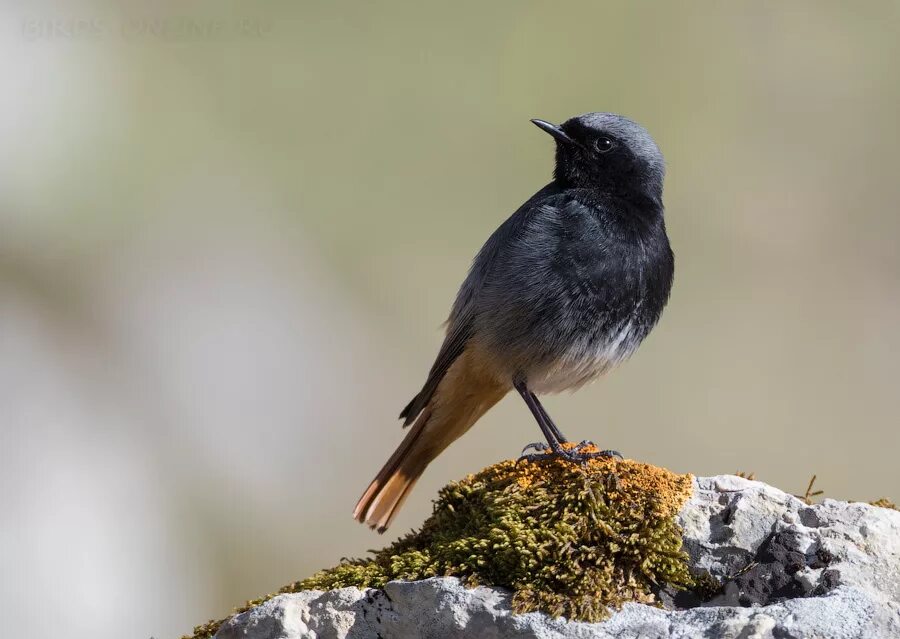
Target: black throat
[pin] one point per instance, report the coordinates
(638, 206)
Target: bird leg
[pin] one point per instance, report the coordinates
(540, 447)
(556, 432)
(555, 438)
(549, 432)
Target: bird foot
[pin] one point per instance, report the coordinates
(577, 453)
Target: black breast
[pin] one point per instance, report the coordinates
(577, 273)
(615, 265)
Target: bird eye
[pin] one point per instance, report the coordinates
(604, 144)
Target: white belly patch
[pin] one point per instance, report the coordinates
(584, 361)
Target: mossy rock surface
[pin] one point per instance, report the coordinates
(571, 540)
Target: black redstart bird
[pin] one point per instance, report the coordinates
(563, 291)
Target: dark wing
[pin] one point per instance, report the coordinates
(458, 335)
(460, 325)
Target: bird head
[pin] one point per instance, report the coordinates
(608, 152)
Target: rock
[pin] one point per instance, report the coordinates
(788, 571)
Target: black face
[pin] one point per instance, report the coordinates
(606, 152)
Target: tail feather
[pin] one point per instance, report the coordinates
(385, 495)
(411, 410)
(462, 397)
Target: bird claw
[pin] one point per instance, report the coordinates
(587, 443)
(537, 457)
(577, 456)
(540, 447)
(535, 446)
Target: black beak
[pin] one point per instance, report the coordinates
(555, 131)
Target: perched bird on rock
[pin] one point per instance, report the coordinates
(562, 292)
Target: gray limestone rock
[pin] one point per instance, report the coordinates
(790, 571)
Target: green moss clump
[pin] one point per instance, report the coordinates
(569, 540)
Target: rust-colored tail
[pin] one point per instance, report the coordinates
(387, 492)
(463, 396)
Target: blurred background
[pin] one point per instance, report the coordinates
(229, 234)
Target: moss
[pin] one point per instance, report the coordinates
(706, 586)
(569, 540)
